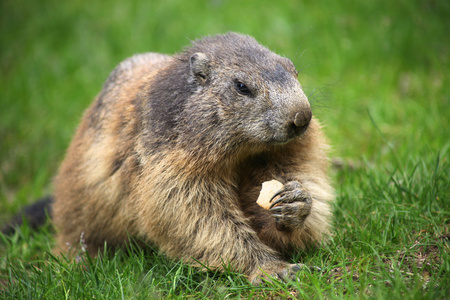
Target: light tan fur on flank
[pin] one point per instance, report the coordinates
(174, 151)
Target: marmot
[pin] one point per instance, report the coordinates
(174, 151)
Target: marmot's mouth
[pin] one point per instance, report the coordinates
(282, 139)
(292, 132)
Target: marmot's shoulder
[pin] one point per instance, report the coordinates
(133, 68)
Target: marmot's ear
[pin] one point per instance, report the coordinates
(200, 66)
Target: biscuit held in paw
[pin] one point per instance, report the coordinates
(269, 188)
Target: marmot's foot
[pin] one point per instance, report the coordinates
(292, 207)
(280, 271)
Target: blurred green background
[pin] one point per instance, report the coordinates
(376, 72)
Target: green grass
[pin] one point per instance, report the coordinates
(376, 73)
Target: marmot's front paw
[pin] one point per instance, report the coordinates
(292, 207)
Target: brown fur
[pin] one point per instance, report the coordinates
(173, 153)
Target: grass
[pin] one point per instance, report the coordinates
(376, 73)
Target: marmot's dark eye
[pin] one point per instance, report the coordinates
(242, 89)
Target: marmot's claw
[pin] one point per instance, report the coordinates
(291, 209)
(276, 195)
(291, 192)
(291, 215)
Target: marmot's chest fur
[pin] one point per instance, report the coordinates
(174, 151)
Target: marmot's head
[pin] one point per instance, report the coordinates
(256, 91)
(233, 91)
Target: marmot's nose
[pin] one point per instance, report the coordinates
(301, 120)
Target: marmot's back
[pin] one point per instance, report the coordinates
(134, 69)
(174, 151)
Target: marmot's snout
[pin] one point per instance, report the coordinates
(301, 120)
